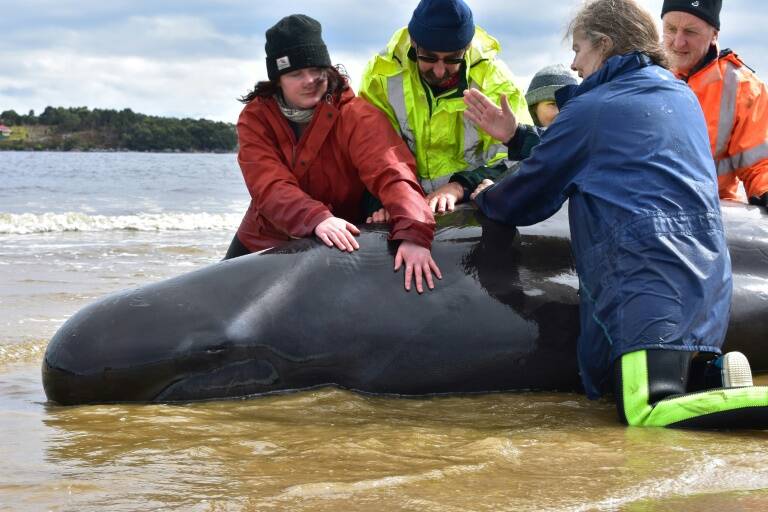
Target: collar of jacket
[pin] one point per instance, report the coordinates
(302, 153)
(334, 103)
(711, 56)
(611, 69)
(714, 56)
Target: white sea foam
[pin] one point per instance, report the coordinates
(568, 279)
(26, 223)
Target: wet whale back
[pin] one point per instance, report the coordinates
(747, 232)
(504, 317)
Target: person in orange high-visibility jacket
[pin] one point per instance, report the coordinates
(734, 100)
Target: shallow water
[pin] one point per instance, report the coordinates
(329, 449)
(325, 449)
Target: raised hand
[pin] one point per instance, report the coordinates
(499, 123)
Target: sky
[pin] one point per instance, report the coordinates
(194, 58)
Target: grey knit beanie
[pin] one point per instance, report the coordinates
(546, 81)
(544, 84)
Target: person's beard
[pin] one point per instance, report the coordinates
(432, 79)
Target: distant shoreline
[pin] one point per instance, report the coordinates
(82, 129)
(5, 149)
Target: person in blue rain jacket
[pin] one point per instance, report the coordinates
(629, 151)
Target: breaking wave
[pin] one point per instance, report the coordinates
(27, 223)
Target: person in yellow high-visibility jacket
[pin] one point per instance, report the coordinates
(418, 81)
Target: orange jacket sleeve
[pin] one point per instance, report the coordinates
(748, 146)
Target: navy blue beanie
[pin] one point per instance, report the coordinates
(442, 25)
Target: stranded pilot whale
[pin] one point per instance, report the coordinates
(504, 317)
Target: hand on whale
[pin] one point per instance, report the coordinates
(482, 186)
(446, 197)
(419, 265)
(334, 231)
(418, 262)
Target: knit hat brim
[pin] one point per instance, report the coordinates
(709, 12)
(437, 39)
(544, 93)
(298, 57)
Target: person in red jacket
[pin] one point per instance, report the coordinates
(309, 149)
(734, 99)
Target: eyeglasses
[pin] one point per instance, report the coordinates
(448, 61)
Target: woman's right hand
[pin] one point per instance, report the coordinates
(419, 265)
(499, 123)
(482, 186)
(334, 231)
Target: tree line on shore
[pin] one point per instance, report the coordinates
(79, 128)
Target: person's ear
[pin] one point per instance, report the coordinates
(606, 45)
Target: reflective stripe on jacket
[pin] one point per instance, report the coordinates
(294, 185)
(735, 104)
(434, 127)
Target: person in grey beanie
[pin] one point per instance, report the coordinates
(543, 108)
(541, 93)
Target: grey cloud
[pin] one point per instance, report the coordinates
(16, 92)
(193, 57)
(156, 37)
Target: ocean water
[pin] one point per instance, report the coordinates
(76, 226)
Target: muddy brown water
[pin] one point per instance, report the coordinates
(330, 449)
(323, 450)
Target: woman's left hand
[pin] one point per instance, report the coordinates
(482, 186)
(418, 264)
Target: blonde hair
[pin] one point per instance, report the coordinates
(628, 26)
